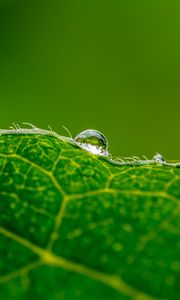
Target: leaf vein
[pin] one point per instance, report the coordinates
(50, 258)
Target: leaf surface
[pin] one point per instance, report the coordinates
(73, 226)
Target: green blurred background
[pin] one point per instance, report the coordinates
(109, 65)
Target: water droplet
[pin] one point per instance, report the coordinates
(159, 158)
(92, 141)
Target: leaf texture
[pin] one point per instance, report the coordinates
(73, 226)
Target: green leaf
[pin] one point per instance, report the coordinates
(73, 226)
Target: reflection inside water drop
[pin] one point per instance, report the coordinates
(92, 141)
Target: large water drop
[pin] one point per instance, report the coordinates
(92, 141)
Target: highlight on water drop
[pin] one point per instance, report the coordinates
(92, 141)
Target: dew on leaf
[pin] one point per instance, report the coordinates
(92, 141)
(159, 158)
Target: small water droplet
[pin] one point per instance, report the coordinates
(92, 141)
(158, 158)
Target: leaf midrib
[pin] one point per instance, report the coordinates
(49, 258)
